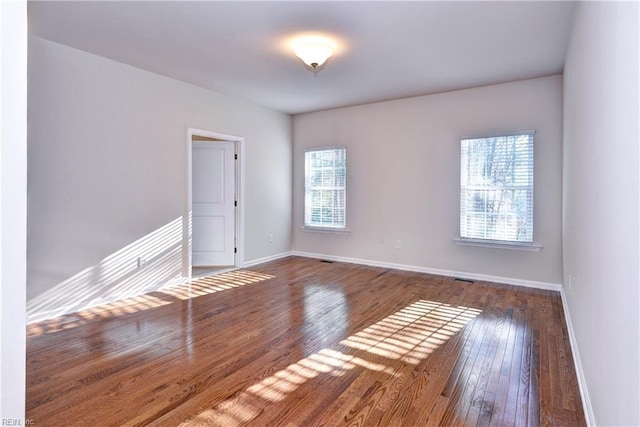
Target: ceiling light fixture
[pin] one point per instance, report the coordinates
(313, 50)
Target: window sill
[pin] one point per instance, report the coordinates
(498, 245)
(325, 230)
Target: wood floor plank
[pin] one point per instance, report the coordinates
(523, 397)
(430, 370)
(479, 406)
(502, 387)
(301, 342)
(461, 384)
(485, 397)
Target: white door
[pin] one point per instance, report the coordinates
(213, 205)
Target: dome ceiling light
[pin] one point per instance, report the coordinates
(313, 50)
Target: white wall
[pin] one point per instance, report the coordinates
(13, 207)
(108, 176)
(601, 212)
(403, 178)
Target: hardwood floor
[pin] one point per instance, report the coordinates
(301, 342)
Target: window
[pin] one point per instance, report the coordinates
(496, 195)
(325, 172)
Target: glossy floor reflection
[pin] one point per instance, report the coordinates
(410, 334)
(298, 342)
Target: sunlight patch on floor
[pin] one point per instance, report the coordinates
(212, 284)
(101, 312)
(169, 295)
(410, 335)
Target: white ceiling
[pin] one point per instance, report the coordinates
(388, 50)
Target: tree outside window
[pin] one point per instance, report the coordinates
(325, 188)
(496, 198)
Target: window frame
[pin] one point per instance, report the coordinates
(316, 227)
(499, 243)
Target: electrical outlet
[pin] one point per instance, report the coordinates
(270, 238)
(398, 244)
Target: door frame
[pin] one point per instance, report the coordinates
(187, 235)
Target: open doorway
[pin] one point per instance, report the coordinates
(214, 203)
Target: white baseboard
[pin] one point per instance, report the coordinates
(582, 383)
(449, 273)
(266, 259)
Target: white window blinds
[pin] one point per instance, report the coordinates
(325, 188)
(496, 196)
